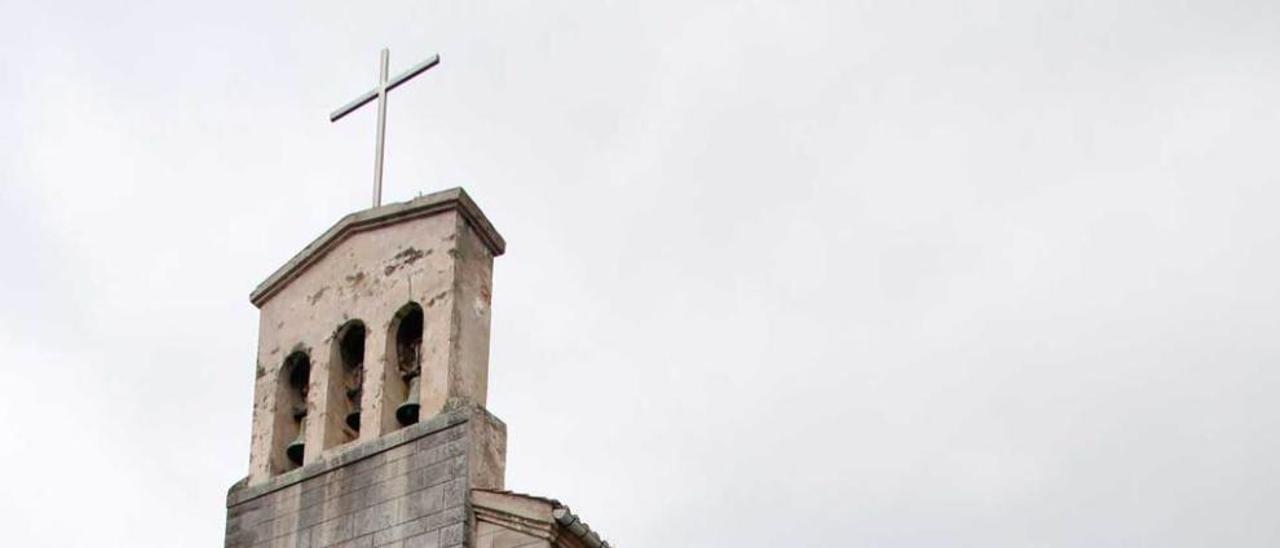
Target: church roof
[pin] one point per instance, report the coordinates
(532, 514)
(372, 218)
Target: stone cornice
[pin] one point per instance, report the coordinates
(454, 199)
(241, 492)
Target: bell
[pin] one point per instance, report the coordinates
(407, 413)
(297, 447)
(353, 396)
(353, 420)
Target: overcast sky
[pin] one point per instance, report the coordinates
(902, 274)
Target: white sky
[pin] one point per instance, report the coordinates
(780, 273)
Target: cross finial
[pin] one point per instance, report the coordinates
(379, 92)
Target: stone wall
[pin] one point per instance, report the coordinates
(406, 489)
(489, 535)
(435, 251)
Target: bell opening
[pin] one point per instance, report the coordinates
(351, 341)
(296, 380)
(409, 341)
(405, 347)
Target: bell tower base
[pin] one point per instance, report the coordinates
(412, 487)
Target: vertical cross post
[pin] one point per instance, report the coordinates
(379, 93)
(382, 129)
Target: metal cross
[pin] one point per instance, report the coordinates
(380, 93)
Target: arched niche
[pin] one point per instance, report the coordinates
(345, 400)
(292, 386)
(404, 364)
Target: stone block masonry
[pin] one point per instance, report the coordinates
(384, 321)
(410, 488)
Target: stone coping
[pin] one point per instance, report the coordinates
(504, 509)
(241, 493)
(369, 219)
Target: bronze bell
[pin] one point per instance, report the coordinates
(353, 417)
(298, 446)
(353, 420)
(407, 413)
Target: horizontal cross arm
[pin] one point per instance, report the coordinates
(413, 71)
(357, 103)
(372, 94)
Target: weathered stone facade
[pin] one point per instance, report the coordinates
(407, 489)
(369, 427)
(436, 252)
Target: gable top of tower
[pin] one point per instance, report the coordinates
(454, 199)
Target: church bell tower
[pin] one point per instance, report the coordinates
(369, 420)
